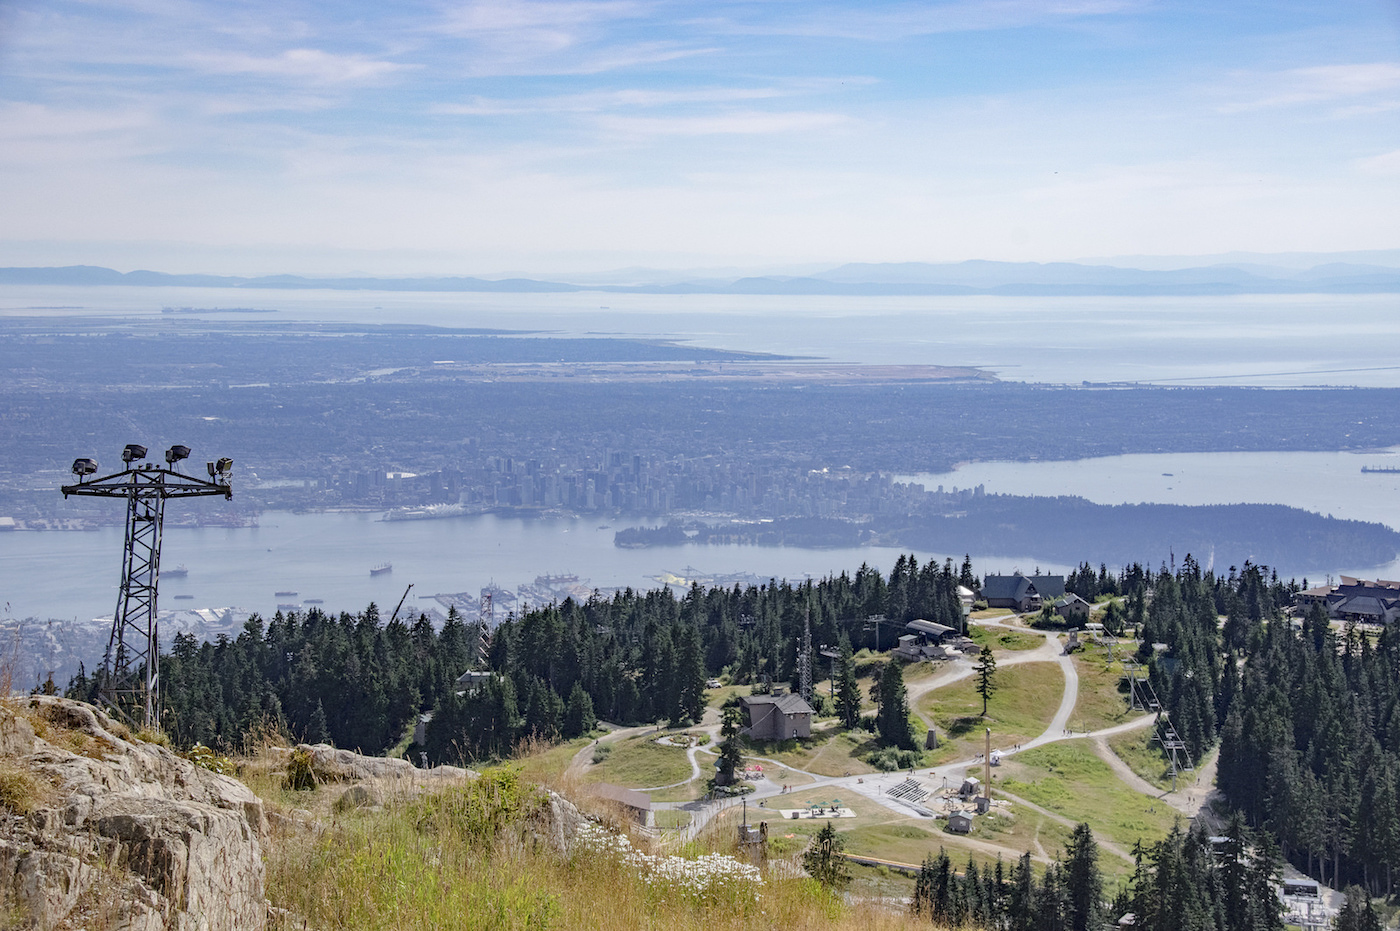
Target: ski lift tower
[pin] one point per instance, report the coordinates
(130, 677)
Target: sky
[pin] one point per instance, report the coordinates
(509, 136)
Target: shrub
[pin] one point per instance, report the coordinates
(889, 759)
(482, 808)
(205, 758)
(300, 775)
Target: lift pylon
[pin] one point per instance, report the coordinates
(130, 678)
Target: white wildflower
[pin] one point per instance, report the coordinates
(707, 878)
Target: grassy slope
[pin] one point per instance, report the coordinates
(1000, 639)
(1100, 703)
(1143, 756)
(1068, 779)
(1023, 705)
(639, 762)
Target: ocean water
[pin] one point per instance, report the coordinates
(1269, 340)
(74, 575)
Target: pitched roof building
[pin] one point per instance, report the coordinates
(777, 717)
(1021, 593)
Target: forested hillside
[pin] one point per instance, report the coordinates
(633, 658)
(1310, 719)
(1311, 749)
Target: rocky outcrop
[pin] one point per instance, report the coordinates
(119, 833)
(332, 765)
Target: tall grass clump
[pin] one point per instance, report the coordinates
(468, 857)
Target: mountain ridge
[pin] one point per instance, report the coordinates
(974, 277)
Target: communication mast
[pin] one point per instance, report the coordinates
(130, 676)
(486, 622)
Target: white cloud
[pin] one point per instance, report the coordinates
(1320, 84)
(743, 123)
(1387, 164)
(899, 21)
(38, 121)
(308, 64)
(635, 98)
(496, 16)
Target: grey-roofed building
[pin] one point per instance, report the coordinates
(1361, 600)
(1072, 607)
(928, 641)
(777, 717)
(929, 629)
(637, 804)
(1021, 593)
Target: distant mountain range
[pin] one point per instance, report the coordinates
(858, 279)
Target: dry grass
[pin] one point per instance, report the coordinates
(828, 752)
(20, 792)
(404, 868)
(1023, 705)
(1070, 780)
(1100, 703)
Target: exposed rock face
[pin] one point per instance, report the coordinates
(332, 765)
(124, 834)
(559, 822)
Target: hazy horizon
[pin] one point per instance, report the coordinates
(563, 138)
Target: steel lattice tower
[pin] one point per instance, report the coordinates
(130, 676)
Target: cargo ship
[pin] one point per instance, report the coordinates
(179, 572)
(382, 568)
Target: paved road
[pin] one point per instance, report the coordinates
(875, 786)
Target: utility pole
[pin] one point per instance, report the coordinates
(833, 654)
(130, 675)
(805, 673)
(877, 620)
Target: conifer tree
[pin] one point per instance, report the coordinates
(579, 718)
(986, 670)
(893, 716)
(823, 860)
(730, 753)
(847, 687)
(1083, 883)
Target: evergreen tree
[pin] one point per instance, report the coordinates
(690, 702)
(730, 753)
(986, 670)
(1083, 883)
(1356, 913)
(316, 731)
(847, 687)
(893, 716)
(823, 860)
(579, 718)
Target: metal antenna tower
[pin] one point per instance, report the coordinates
(487, 620)
(130, 675)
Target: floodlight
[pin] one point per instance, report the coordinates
(175, 453)
(133, 452)
(224, 466)
(82, 467)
